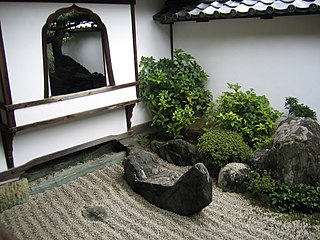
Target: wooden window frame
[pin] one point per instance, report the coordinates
(104, 37)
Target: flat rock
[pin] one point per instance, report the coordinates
(183, 194)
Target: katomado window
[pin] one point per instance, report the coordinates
(76, 52)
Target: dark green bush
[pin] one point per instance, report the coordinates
(175, 91)
(298, 109)
(220, 147)
(246, 113)
(298, 198)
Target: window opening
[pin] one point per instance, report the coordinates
(71, 45)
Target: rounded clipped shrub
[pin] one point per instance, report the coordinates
(219, 147)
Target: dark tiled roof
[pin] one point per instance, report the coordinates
(178, 10)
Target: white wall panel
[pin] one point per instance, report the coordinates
(43, 141)
(59, 109)
(278, 57)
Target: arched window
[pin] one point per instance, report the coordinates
(66, 40)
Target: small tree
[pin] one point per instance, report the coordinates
(299, 109)
(246, 113)
(175, 91)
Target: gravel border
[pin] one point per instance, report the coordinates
(57, 214)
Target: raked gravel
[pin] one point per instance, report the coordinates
(57, 214)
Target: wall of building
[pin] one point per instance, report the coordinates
(153, 39)
(277, 57)
(23, 43)
(21, 31)
(22, 40)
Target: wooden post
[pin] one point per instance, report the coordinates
(7, 116)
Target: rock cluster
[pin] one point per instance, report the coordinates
(294, 156)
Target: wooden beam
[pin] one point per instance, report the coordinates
(123, 138)
(7, 119)
(72, 116)
(61, 98)
(18, 171)
(135, 51)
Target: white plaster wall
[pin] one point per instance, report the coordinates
(33, 114)
(21, 30)
(117, 19)
(43, 141)
(86, 49)
(153, 39)
(278, 57)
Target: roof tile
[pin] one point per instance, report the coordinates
(249, 2)
(279, 5)
(242, 8)
(260, 6)
(212, 9)
(267, 1)
(232, 3)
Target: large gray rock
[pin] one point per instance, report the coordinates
(176, 151)
(234, 177)
(183, 194)
(294, 156)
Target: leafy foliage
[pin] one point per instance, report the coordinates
(261, 185)
(175, 91)
(285, 198)
(143, 140)
(246, 113)
(298, 109)
(220, 147)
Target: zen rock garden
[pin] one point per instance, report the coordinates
(293, 157)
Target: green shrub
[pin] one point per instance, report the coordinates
(298, 109)
(285, 198)
(246, 113)
(261, 185)
(220, 147)
(143, 140)
(175, 91)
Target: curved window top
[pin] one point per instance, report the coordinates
(65, 36)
